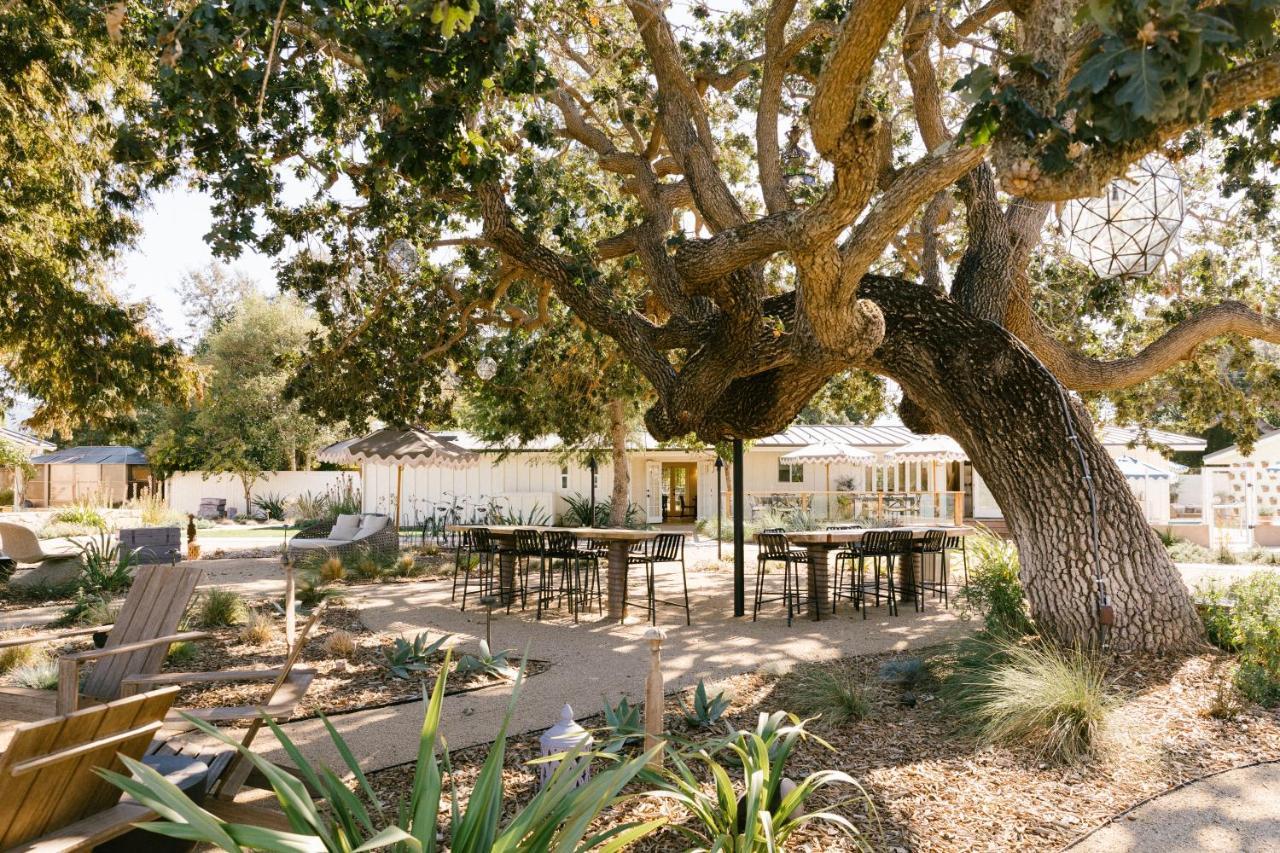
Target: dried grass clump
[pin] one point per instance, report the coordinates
(332, 570)
(220, 608)
(340, 644)
(16, 656)
(259, 630)
(830, 691)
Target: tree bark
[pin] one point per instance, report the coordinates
(621, 473)
(973, 380)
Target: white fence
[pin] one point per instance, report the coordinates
(186, 488)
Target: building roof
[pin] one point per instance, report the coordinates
(1125, 436)
(25, 439)
(1135, 468)
(112, 454)
(1232, 455)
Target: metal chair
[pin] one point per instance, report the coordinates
(474, 554)
(932, 542)
(953, 542)
(774, 547)
(846, 559)
(562, 545)
(521, 552)
(877, 545)
(665, 548)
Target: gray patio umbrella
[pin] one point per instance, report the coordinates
(413, 447)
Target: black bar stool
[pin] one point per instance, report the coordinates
(956, 542)
(774, 548)
(474, 555)
(877, 545)
(521, 551)
(665, 548)
(575, 578)
(932, 542)
(846, 558)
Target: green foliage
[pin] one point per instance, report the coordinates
(579, 513)
(14, 458)
(1244, 618)
(558, 817)
(907, 672)
(496, 664)
(1182, 551)
(829, 690)
(1041, 697)
(90, 610)
(994, 589)
(403, 659)
(38, 675)
(623, 722)
(181, 654)
(852, 397)
(83, 512)
(536, 516)
(104, 568)
(219, 608)
(341, 499)
(705, 711)
(155, 512)
(770, 808)
(272, 505)
(310, 593)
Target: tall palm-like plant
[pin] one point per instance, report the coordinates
(557, 818)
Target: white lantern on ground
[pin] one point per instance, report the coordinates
(565, 736)
(1128, 229)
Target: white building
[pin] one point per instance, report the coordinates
(678, 484)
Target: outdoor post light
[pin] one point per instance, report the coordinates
(488, 601)
(565, 736)
(719, 503)
(591, 466)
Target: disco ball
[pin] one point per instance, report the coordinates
(486, 368)
(1128, 230)
(402, 257)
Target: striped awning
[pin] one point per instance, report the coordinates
(410, 447)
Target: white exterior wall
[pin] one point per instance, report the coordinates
(522, 480)
(186, 488)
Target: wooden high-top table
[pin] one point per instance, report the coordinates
(618, 539)
(818, 545)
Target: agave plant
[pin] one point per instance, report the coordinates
(497, 665)
(558, 817)
(623, 724)
(705, 711)
(403, 658)
(770, 808)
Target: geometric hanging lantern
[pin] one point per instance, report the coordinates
(1128, 229)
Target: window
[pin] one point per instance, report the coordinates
(564, 476)
(790, 473)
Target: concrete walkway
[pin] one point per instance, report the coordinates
(592, 659)
(1238, 810)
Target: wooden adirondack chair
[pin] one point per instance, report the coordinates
(136, 645)
(50, 798)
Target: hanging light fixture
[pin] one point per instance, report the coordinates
(486, 368)
(402, 257)
(1127, 231)
(795, 159)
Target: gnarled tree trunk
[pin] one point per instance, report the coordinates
(974, 381)
(621, 474)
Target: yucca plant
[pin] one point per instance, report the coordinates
(273, 505)
(769, 808)
(559, 817)
(104, 568)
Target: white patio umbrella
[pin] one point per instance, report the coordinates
(829, 453)
(411, 446)
(929, 448)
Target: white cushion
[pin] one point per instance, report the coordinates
(370, 524)
(310, 544)
(345, 527)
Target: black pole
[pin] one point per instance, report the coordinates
(739, 548)
(719, 504)
(591, 465)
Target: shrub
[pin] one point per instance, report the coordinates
(994, 590)
(259, 630)
(829, 691)
(272, 505)
(770, 809)
(155, 512)
(406, 567)
(104, 568)
(331, 570)
(14, 657)
(219, 608)
(82, 512)
(340, 644)
(1245, 619)
(579, 514)
(1182, 551)
(38, 675)
(366, 566)
(309, 593)
(1046, 698)
(558, 817)
(90, 610)
(6, 497)
(182, 653)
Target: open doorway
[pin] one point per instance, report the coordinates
(679, 491)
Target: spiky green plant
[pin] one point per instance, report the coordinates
(770, 808)
(705, 711)
(489, 663)
(104, 568)
(559, 817)
(830, 691)
(219, 608)
(403, 659)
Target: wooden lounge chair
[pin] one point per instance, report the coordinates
(51, 798)
(136, 645)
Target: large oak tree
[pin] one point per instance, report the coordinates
(634, 168)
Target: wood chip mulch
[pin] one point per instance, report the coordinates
(936, 789)
(341, 684)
